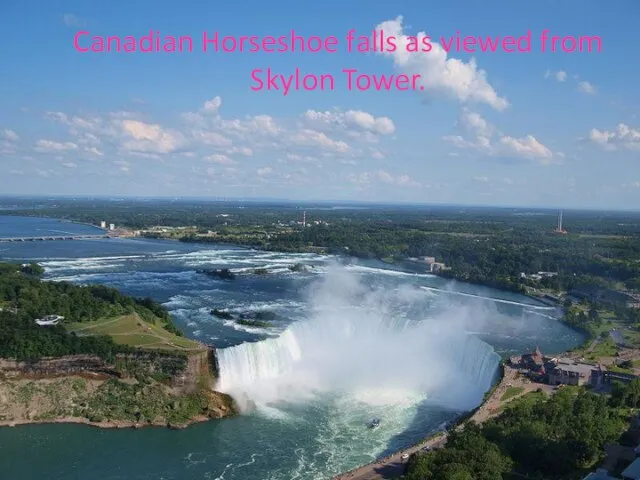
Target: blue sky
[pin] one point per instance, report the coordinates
(535, 129)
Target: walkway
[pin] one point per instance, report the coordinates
(393, 465)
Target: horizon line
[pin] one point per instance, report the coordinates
(229, 199)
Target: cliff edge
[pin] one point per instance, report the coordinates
(133, 390)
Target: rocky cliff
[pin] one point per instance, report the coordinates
(143, 388)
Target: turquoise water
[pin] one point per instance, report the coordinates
(354, 341)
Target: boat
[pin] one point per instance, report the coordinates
(375, 423)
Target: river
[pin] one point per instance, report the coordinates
(353, 340)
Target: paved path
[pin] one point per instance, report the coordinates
(393, 465)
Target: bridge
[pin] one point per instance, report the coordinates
(54, 237)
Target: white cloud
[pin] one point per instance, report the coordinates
(480, 135)
(583, 86)
(246, 151)
(52, 146)
(463, 81)
(377, 154)
(527, 147)
(94, 151)
(330, 139)
(71, 20)
(474, 123)
(124, 165)
(10, 135)
(213, 138)
(560, 75)
(219, 158)
(213, 105)
(481, 179)
(69, 165)
(623, 137)
(366, 179)
(586, 87)
(350, 118)
(308, 137)
(151, 138)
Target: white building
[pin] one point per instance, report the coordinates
(49, 320)
(103, 224)
(112, 226)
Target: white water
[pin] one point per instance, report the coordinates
(353, 344)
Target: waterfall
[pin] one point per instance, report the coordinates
(358, 339)
(245, 364)
(455, 369)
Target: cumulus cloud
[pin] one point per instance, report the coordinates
(205, 135)
(94, 151)
(147, 137)
(623, 137)
(246, 151)
(52, 146)
(213, 105)
(366, 179)
(264, 171)
(461, 80)
(358, 118)
(481, 136)
(308, 137)
(526, 147)
(219, 158)
(71, 20)
(583, 86)
(586, 87)
(10, 135)
(234, 137)
(560, 75)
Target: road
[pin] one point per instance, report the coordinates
(391, 466)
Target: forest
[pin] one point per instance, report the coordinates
(485, 245)
(24, 297)
(562, 437)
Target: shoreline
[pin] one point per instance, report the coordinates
(111, 425)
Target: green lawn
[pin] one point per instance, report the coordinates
(605, 348)
(511, 392)
(132, 330)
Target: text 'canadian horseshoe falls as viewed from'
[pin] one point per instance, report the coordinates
(319, 241)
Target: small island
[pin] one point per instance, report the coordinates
(223, 273)
(260, 319)
(110, 360)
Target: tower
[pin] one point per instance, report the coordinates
(304, 219)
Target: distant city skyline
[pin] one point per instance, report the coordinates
(526, 130)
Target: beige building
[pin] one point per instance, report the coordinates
(568, 372)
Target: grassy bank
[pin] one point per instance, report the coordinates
(133, 331)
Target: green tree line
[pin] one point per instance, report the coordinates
(559, 438)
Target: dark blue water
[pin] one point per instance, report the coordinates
(42, 227)
(316, 382)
